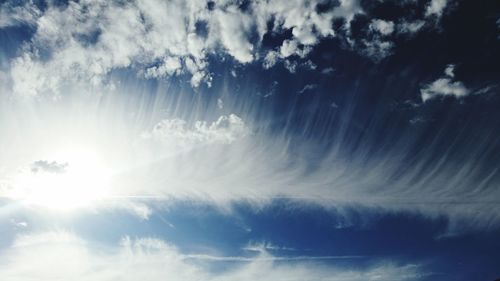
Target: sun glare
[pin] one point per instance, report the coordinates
(76, 179)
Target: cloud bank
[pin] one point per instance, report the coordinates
(82, 42)
(63, 256)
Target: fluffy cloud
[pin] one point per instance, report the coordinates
(225, 130)
(383, 27)
(444, 86)
(63, 256)
(436, 7)
(377, 48)
(84, 41)
(410, 27)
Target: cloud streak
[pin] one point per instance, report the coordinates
(152, 157)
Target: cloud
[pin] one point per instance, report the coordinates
(450, 71)
(383, 27)
(436, 7)
(150, 156)
(410, 27)
(170, 66)
(377, 49)
(375, 41)
(233, 27)
(377, 38)
(224, 130)
(12, 14)
(270, 59)
(49, 167)
(328, 71)
(82, 42)
(263, 247)
(19, 224)
(444, 86)
(289, 48)
(306, 88)
(44, 256)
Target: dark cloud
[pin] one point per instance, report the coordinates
(52, 167)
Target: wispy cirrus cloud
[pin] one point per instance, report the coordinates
(155, 158)
(13, 14)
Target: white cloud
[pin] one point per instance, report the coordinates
(234, 28)
(376, 43)
(170, 66)
(288, 48)
(291, 65)
(444, 86)
(308, 87)
(86, 40)
(450, 71)
(266, 246)
(63, 256)
(13, 15)
(410, 27)
(383, 27)
(377, 48)
(270, 59)
(197, 155)
(19, 224)
(225, 130)
(436, 7)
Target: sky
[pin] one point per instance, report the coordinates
(249, 140)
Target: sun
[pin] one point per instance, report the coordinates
(77, 178)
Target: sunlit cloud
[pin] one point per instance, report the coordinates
(247, 140)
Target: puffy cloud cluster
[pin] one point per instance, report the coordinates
(383, 27)
(84, 41)
(376, 38)
(80, 43)
(63, 256)
(177, 132)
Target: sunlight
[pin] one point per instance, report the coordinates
(77, 179)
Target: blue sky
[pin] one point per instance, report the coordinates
(244, 140)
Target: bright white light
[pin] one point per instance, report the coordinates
(82, 183)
